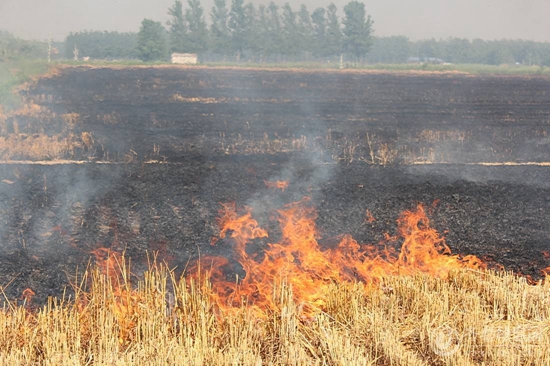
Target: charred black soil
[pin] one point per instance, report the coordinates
(182, 140)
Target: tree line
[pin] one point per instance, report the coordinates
(271, 33)
(102, 45)
(12, 47)
(384, 50)
(399, 49)
(240, 31)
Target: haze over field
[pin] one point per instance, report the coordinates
(486, 19)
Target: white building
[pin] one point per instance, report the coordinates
(184, 58)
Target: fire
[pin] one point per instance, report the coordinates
(369, 219)
(298, 260)
(280, 184)
(546, 256)
(27, 296)
(109, 262)
(112, 265)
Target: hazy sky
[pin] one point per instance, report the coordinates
(417, 19)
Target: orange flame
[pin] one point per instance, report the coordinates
(280, 184)
(125, 299)
(369, 219)
(298, 260)
(27, 296)
(546, 256)
(109, 263)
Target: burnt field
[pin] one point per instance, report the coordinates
(147, 155)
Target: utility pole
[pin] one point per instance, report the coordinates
(75, 53)
(50, 50)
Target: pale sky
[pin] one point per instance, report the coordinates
(417, 19)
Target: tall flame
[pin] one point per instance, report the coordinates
(109, 263)
(26, 296)
(546, 271)
(124, 300)
(298, 260)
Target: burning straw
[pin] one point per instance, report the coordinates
(467, 318)
(298, 260)
(298, 305)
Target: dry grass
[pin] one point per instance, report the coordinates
(371, 150)
(109, 118)
(71, 118)
(468, 319)
(443, 135)
(183, 99)
(42, 146)
(22, 135)
(239, 145)
(30, 110)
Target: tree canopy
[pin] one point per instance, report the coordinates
(152, 41)
(219, 30)
(102, 45)
(238, 27)
(12, 47)
(357, 30)
(197, 38)
(177, 28)
(275, 33)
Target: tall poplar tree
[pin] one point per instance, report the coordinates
(261, 38)
(333, 39)
(197, 40)
(237, 27)
(177, 28)
(319, 20)
(252, 31)
(290, 36)
(275, 35)
(219, 32)
(305, 30)
(151, 41)
(357, 30)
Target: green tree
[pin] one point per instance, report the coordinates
(237, 27)
(390, 50)
(478, 50)
(290, 37)
(12, 47)
(177, 28)
(318, 18)
(219, 31)
(274, 41)
(333, 39)
(357, 30)
(428, 48)
(497, 54)
(197, 40)
(260, 36)
(251, 30)
(102, 45)
(151, 41)
(544, 52)
(456, 50)
(305, 30)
